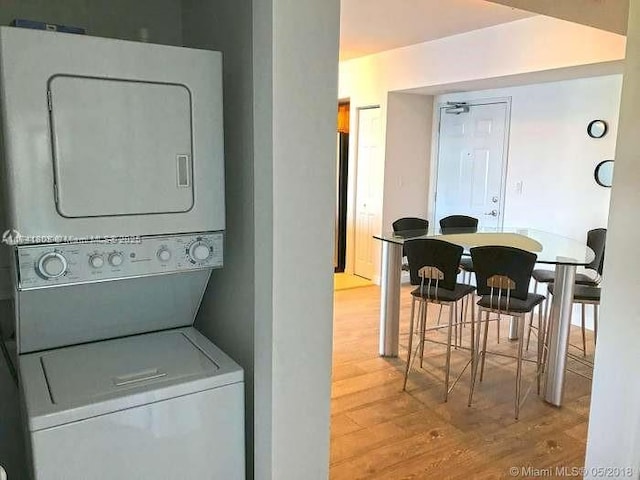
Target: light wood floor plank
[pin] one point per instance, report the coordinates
(381, 432)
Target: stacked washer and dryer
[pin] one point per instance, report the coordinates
(114, 195)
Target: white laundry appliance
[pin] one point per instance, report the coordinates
(114, 186)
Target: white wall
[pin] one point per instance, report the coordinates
(551, 154)
(407, 153)
(614, 422)
(535, 46)
(305, 75)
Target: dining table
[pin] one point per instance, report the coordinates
(562, 253)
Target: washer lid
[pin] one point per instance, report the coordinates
(83, 381)
(102, 370)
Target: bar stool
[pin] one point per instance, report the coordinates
(433, 266)
(502, 278)
(596, 240)
(584, 295)
(460, 224)
(409, 227)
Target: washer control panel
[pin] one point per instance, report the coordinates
(69, 263)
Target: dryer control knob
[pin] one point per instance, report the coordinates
(199, 251)
(96, 261)
(164, 254)
(51, 265)
(115, 259)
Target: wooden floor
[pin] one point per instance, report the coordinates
(380, 432)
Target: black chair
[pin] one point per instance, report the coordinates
(460, 224)
(502, 278)
(410, 224)
(409, 227)
(585, 295)
(433, 267)
(596, 240)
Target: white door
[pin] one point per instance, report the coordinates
(472, 162)
(368, 192)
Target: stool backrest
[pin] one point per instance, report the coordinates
(458, 224)
(503, 268)
(596, 240)
(411, 224)
(442, 259)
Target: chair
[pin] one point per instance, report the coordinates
(409, 227)
(502, 278)
(460, 224)
(596, 240)
(433, 267)
(585, 295)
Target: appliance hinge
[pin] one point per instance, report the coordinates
(49, 100)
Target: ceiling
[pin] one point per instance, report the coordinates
(610, 15)
(371, 26)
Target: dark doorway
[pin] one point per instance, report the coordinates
(340, 254)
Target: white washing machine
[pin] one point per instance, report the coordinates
(162, 405)
(113, 175)
(105, 396)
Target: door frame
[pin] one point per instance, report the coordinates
(435, 152)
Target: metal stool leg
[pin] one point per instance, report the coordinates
(529, 332)
(411, 334)
(452, 309)
(583, 311)
(541, 333)
(519, 368)
(475, 352)
(595, 322)
(484, 344)
(413, 309)
(423, 327)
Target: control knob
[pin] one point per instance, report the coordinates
(51, 265)
(115, 259)
(96, 261)
(199, 251)
(164, 254)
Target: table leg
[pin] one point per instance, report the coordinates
(558, 340)
(390, 299)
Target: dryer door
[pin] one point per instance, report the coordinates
(120, 147)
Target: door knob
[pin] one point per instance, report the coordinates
(495, 199)
(492, 213)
